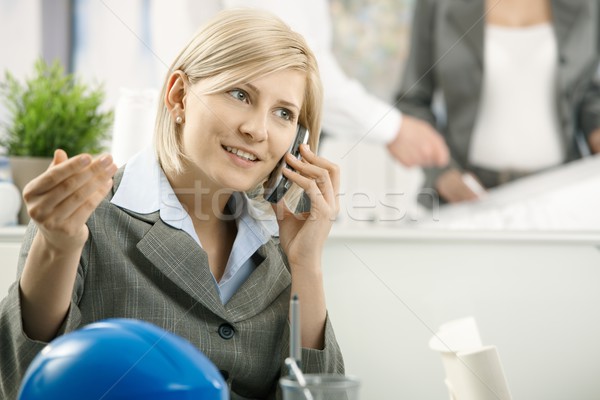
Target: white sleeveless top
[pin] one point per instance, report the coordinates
(518, 125)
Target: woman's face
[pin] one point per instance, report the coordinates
(235, 138)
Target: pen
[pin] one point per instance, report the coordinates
(295, 347)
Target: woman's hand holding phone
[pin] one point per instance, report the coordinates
(303, 236)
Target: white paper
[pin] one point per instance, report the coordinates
(564, 198)
(473, 371)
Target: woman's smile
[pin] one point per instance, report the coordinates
(240, 157)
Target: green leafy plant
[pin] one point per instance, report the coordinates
(53, 110)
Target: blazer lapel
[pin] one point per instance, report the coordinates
(181, 260)
(264, 285)
(469, 19)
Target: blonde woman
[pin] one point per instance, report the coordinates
(173, 238)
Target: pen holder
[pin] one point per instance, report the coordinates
(321, 387)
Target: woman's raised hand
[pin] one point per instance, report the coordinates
(61, 199)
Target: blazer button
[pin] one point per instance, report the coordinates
(226, 331)
(562, 59)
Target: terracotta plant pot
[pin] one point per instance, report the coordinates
(24, 169)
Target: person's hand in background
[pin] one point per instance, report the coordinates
(419, 144)
(451, 186)
(594, 141)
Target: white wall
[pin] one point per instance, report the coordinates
(20, 38)
(20, 35)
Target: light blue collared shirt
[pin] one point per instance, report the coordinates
(145, 189)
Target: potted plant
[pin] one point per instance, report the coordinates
(51, 110)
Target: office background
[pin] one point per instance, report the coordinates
(128, 45)
(532, 288)
(105, 40)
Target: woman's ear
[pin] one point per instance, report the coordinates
(175, 95)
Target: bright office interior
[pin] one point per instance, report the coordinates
(522, 261)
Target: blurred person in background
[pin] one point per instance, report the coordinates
(518, 84)
(349, 110)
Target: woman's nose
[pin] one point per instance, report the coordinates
(255, 126)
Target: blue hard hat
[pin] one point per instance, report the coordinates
(119, 359)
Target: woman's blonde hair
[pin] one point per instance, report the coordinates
(236, 47)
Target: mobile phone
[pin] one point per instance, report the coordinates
(277, 185)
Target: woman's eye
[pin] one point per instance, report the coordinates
(239, 94)
(285, 114)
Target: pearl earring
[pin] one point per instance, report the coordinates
(178, 120)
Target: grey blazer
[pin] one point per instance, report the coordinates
(447, 56)
(136, 266)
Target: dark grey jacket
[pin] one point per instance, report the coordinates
(447, 55)
(136, 266)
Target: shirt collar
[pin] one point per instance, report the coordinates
(145, 189)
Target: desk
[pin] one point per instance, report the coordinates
(534, 295)
(565, 198)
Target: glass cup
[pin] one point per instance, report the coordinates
(321, 387)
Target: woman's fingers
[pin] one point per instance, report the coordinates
(64, 197)
(68, 222)
(333, 169)
(86, 195)
(64, 180)
(73, 219)
(312, 179)
(57, 173)
(59, 156)
(318, 177)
